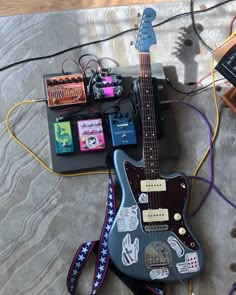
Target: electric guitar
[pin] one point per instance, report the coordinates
(150, 239)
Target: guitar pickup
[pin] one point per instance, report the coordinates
(153, 215)
(153, 185)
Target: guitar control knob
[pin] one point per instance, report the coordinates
(177, 217)
(182, 231)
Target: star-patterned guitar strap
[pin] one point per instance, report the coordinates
(84, 251)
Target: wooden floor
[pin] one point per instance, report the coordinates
(12, 7)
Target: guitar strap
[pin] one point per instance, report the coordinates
(103, 259)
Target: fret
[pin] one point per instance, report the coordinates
(151, 156)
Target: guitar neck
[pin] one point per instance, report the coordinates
(149, 128)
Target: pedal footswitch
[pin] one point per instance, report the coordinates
(91, 136)
(122, 129)
(63, 138)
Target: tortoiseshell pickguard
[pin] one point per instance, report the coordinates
(174, 199)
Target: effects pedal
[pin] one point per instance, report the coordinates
(110, 86)
(122, 129)
(225, 55)
(91, 136)
(65, 90)
(63, 138)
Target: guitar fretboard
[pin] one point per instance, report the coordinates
(149, 129)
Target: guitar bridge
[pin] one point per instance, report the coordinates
(158, 227)
(157, 254)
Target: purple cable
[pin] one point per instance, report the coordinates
(216, 189)
(211, 155)
(231, 291)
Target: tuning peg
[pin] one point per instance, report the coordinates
(139, 14)
(131, 43)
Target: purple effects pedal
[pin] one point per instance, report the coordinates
(91, 137)
(108, 87)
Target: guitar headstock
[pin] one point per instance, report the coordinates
(146, 36)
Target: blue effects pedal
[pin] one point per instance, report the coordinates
(122, 129)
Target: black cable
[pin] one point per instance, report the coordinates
(84, 55)
(195, 28)
(112, 37)
(193, 91)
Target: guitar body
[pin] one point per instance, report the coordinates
(154, 250)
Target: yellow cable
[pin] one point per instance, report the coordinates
(189, 287)
(32, 153)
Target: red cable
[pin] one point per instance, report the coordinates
(231, 25)
(67, 60)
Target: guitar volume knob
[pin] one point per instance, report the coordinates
(182, 231)
(177, 217)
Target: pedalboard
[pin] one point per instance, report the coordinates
(89, 153)
(110, 86)
(90, 134)
(65, 90)
(63, 138)
(122, 129)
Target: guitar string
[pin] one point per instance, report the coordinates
(149, 119)
(147, 147)
(142, 91)
(152, 139)
(152, 131)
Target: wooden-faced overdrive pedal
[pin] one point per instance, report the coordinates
(91, 136)
(65, 90)
(122, 129)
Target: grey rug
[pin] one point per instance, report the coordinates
(44, 218)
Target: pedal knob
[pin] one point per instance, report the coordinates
(177, 217)
(182, 231)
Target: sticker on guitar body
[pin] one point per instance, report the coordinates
(159, 273)
(191, 263)
(175, 244)
(129, 250)
(127, 219)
